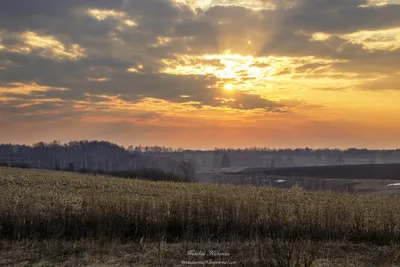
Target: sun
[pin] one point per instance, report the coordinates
(228, 87)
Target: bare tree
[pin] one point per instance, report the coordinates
(187, 168)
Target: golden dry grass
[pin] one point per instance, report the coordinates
(49, 204)
(63, 212)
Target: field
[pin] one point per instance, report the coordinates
(363, 171)
(378, 187)
(373, 179)
(95, 220)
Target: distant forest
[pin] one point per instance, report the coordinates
(106, 157)
(98, 157)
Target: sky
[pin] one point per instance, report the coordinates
(201, 73)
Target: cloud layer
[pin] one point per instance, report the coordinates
(168, 63)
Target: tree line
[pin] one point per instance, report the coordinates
(97, 157)
(107, 157)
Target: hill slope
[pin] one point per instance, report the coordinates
(68, 207)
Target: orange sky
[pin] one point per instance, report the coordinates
(202, 74)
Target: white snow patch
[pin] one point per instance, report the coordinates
(397, 184)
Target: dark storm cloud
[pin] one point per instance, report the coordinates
(342, 16)
(247, 101)
(20, 15)
(69, 22)
(21, 10)
(15, 111)
(53, 73)
(23, 110)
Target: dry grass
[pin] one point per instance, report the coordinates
(64, 207)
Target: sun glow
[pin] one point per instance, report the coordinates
(206, 4)
(257, 73)
(228, 87)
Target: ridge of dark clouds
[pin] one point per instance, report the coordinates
(346, 20)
